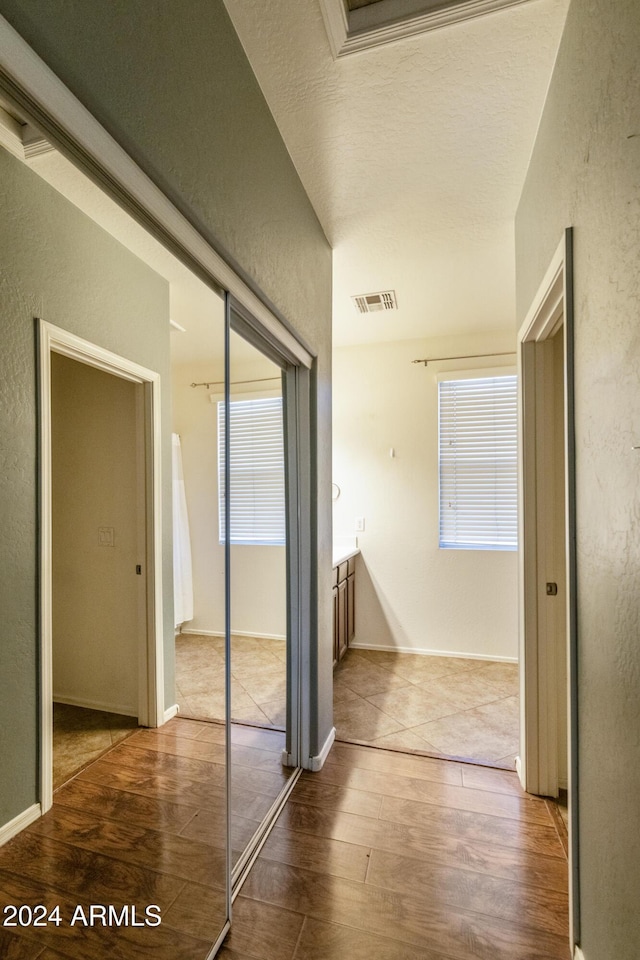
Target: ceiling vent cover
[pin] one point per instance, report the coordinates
(372, 302)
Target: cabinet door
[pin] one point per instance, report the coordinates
(336, 629)
(342, 619)
(351, 607)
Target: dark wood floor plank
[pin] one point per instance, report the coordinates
(176, 856)
(332, 857)
(262, 931)
(259, 758)
(342, 799)
(183, 727)
(397, 764)
(200, 910)
(176, 789)
(161, 764)
(490, 896)
(534, 837)
(15, 947)
(457, 933)
(76, 872)
(98, 942)
(256, 737)
(178, 746)
(208, 826)
(469, 853)
(495, 781)
(428, 792)
(111, 804)
(321, 940)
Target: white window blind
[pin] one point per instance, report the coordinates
(478, 463)
(256, 463)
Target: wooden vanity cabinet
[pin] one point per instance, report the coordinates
(343, 607)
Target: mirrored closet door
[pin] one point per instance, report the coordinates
(187, 757)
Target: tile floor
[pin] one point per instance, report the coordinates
(441, 706)
(258, 679)
(80, 736)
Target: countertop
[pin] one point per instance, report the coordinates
(344, 548)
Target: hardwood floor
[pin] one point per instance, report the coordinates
(385, 856)
(380, 856)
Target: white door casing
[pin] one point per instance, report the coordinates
(548, 623)
(150, 656)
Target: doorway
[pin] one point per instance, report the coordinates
(548, 759)
(101, 652)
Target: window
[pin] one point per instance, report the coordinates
(256, 465)
(478, 463)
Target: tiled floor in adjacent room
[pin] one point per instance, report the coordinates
(258, 679)
(441, 706)
(81, 736)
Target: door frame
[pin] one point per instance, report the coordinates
(551, 309)
(53, 339)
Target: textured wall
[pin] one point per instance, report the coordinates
(585, 172)
(57, 264)
(171, 82)
(409, 593)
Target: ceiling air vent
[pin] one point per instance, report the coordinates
(371, 302)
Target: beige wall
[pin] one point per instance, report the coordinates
(409, 593)
(258, 573)
(584, 173)
(97, 596)
(57, 264)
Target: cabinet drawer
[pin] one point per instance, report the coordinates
(343, 571)
(351, 565)
(334, 577)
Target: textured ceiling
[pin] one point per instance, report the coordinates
(413, 154)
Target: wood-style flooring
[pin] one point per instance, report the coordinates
(144, 824)
(384, 856)
(380, 855)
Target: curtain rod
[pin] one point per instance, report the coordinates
(471, 356)
(232, 383)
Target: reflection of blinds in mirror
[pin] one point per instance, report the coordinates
(478, 463)
(256, 470)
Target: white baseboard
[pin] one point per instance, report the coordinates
(520, 773)
(171, 712)
(13, 827)
(424, 652)
(125, 709)
(235, 633)
(316, 763)
(577, 953)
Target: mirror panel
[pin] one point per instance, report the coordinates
(258, 589)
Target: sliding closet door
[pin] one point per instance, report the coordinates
(258, 589)
(201, 742)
